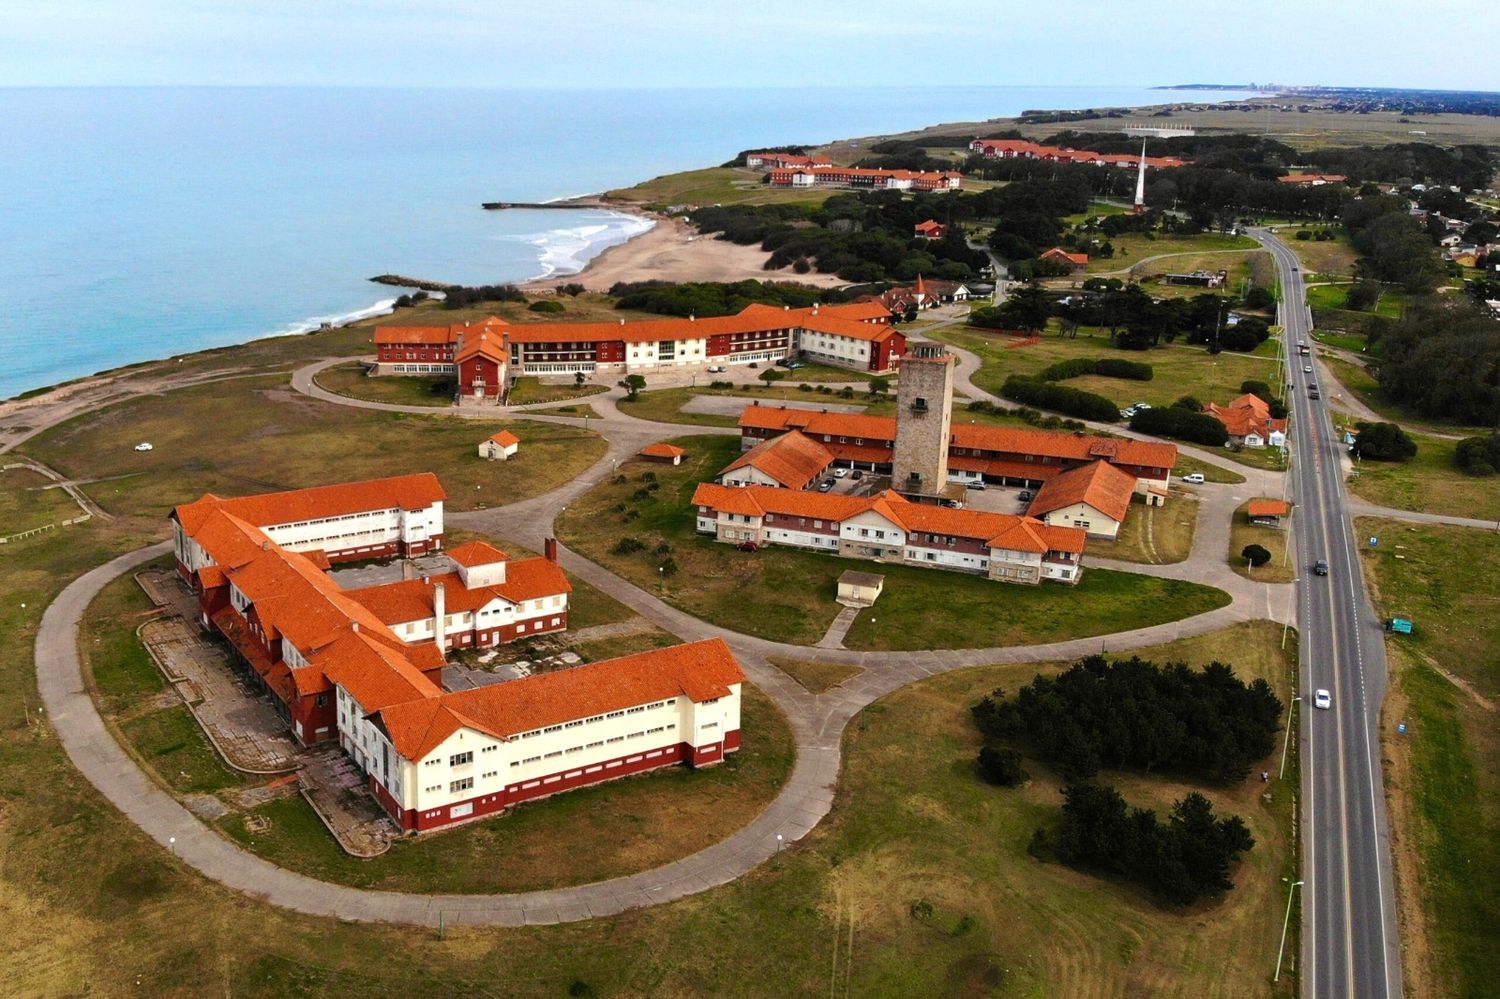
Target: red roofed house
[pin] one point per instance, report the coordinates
(1248, 423)
(791, 461)
(1267, 512)
(1077, 261)
(667, 454)
(1313, 179)
(1093, 497)
(889, 528)
(500, 446)
(929, 229)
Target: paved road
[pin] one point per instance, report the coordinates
(1350, 944)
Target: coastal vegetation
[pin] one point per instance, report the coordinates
(717, 298)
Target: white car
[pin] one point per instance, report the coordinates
(715, 369)
(1322, 699)
(1143, 405)
(1127, 413)
(839, 473)
(1195, 478)
(143, 446)
(1307, 369)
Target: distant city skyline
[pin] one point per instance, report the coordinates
(698, 43)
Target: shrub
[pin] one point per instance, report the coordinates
(546, 305)
(1188, 403)
(628, 546)
(1255, 555)
(668, 568)
(1196, 428)
(572, 289)
(1001, 766)
(1046, 395)
(1254, 386)
(1259, 298)
(1478, 455)
(1110, 367)
(1362, 295)
(1384, 442)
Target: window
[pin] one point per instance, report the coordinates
(459, 759)
(454, 787)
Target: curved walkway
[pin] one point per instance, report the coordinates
(817, 723)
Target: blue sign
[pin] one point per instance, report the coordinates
(1374, 541)
(1401, 728)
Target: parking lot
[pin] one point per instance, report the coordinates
(998, 499)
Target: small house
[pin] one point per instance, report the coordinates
(500, 447)
(666, 454)
(1077, 261)
(1267, 512)
(859, 589)
(929, 229)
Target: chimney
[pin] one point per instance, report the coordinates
(622, 322)
(439, 611)
(692, 318)
(265, 546)
(549, 549)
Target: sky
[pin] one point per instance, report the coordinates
(668, 43)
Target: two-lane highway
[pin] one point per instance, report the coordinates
(1350, 945)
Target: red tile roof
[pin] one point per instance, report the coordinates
(474, 553)
(1099, 484)
(505, 438)
(486, 344)
(792, 459)
(430, 335)
(1245, 415)
(414, 600)
(699, 671)
(661, 449)
(1268, 508)
(1058, 253)
(1313, 178)
(406, 492)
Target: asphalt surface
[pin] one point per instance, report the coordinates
(1350, 944)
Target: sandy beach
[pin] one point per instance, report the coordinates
(673, 251)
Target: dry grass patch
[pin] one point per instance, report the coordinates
(1430, 482)
(256, 435)
(815, 677)
(26, 503)
(1274, 540)
(1153, 535)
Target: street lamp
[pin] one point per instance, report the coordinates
(778, 848)
(1284, 924)
(172, 844)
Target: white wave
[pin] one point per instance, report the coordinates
(568, 249)
(381, 308)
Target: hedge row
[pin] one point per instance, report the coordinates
(1109, 367)
(1060, 399)
(1182, 424)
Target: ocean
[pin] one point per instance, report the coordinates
(137, 223)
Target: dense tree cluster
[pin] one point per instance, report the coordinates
(461, 297)
(1059, 398)
(1180, 424)
(716, 298)
(739, 159)
(1181, 861)
(1384, 442)
(1478, 455)
(1443, 360)
(1133, 714)
(1109, 367)
(1394, 246)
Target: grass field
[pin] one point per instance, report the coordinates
(25, 503)
(1187, 465)
(1179, 369)
(1430, 482)
(1273, 540)
(1132, 248)
(714, 186)
(1331, 258)
(1241, 266)
(524, 391)
(814, 677)
(1443, 772)
(1153, 535)
(266, 437)
(1334, 297)
(350, 380)
(787, 595)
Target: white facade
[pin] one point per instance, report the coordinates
(1085, 517)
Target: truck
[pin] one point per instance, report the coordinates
(1312, 392)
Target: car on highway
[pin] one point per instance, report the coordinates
(1320, 568)
(143, 446)
(839, 473)
(1307, 369)
(1194, 478)
(1322, 699)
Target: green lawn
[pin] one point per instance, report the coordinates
(266, 437)
(1332, 297)
(1274, 540)
(787, 595)
(1213, 473)
(1443, 774)
(1430, 483)
(1179, 369)
(1153, 535)
(714, 186)
(25, 503)
(1131, 248)
(351, 380)
(526, 391)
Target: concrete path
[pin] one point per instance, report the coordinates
(1359, 508)
(833, 638)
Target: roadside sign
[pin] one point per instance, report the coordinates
(1374, 541)
(1401, 728)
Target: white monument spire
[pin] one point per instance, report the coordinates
(1140, 183)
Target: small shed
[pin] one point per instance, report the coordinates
(859, 589)
(667, 454)
(500, 447)
(1267, 512)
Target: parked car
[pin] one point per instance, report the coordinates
(1127, 413)
(1024, 496)
(1320, 568)
(748, 546)
(1194, 478)
(143, 446)
(857, 475)
(976, 484)
(716, 369)
(825, 485)
(839, 473)
(1143, 405)
(1322, 699)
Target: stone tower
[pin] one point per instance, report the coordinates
(924, 400)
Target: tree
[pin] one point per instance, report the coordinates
(1255, 555)
(1188, 403)
(1384, 442)
(771, 375)
(1254, 386)
(1001, 766)
(579, 378)
(879, 385)
(1362, 295)
(1478, 455)
(632, 384)
(1259, 298)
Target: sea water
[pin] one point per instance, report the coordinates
(137, 223)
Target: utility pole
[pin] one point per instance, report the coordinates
(1284, 924)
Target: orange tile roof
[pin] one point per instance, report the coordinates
(431, 335)
(792, 459)
(1313, 178)
(407, 492)
(505, 438)
(1268, 508)
(487, 345)
(1076, 259)
(815, 423)
(661, 449)
(1245, 415)
(757, 501)
(474, 553)
(414, 600)
(1099, 484)
(700, 671)
(375, 675)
